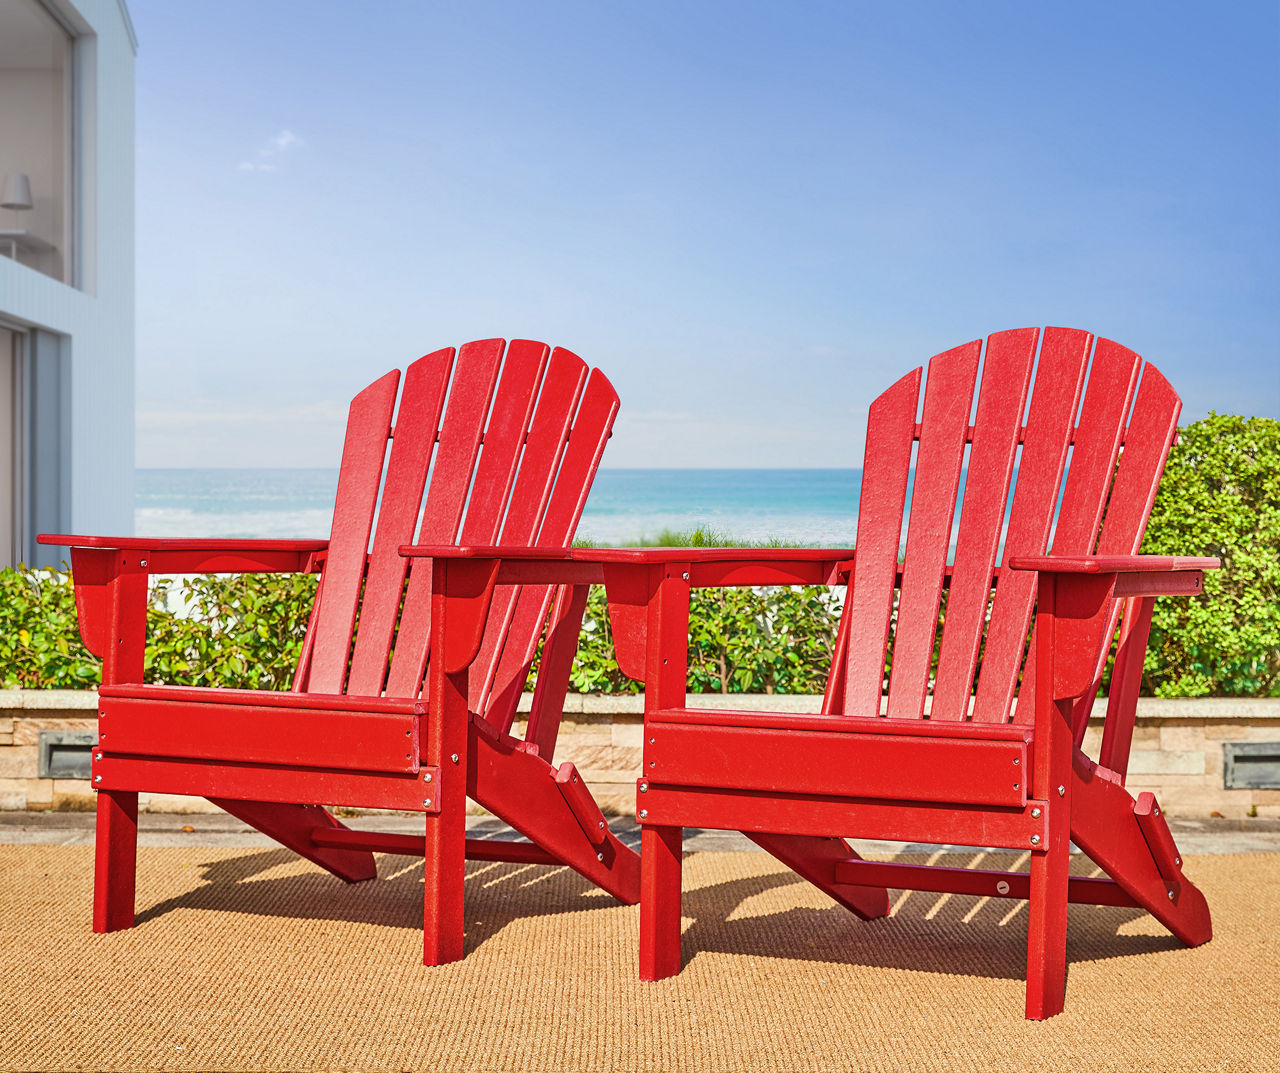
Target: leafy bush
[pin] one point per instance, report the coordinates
(241, 630)
(764, 640)
(40, 646)
(1220, 496)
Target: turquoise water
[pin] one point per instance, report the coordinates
(812, 506)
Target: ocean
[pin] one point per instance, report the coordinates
(808, 506)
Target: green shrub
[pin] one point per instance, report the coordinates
(241, 631)
(765, 640)
(40, 646)
(1220, 496)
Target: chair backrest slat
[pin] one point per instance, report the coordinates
(885, 469)
(1002, 400)
(504, 439)
(363, 452)
(1096, 443)
(515, 633)
(1077, 475)
(461, 430)
(948, 396)
(1152, 428)
(549, 427)
(516, 442)
(1064, 356)
(412, 443)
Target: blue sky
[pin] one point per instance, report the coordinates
(752, 216)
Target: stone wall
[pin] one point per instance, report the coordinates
(1177, 749)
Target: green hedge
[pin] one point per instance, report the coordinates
(1220, 496)
(239, 630)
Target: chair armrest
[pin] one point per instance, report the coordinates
(1111, 564)
(631, 576)
(707, 567)
(110, 576)
(196, 555)
(1132, 575)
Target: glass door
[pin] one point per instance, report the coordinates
(9, 435)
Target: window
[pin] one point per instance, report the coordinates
(35, 139)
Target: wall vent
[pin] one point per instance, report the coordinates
(1251, 765)
(66, 754)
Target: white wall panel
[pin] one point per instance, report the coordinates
(97, 322)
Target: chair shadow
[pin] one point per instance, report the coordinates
(496, 893)
(925, 931)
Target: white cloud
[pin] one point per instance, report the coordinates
(286, 139)
(277, 144)
(303, 434)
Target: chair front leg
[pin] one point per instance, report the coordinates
(661, 851)
(1065, 610)
(115, 860)
(1047, 914)
(457, 614)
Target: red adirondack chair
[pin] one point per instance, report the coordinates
(371, 722)
(971, 767)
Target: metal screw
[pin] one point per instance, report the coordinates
(1016, 761)
(142, 562)
(1062, 790)
(1035, 813)
(1002, 887)
(1035, 840)
(575, 778)
(684, 576)
(1015, 785)
(102, 715)
(426, 776)
(97, 756)
(644, 813)
(1170, 895)
(1155, 812)
(651, 763)
(599, 856)
(454, 758)
(1178, 861)
(602, 825)
(644, 787)
(426, 802)
(651, 741)
(97, 778)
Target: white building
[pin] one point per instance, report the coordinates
(66, 272)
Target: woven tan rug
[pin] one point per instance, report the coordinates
(256, 960)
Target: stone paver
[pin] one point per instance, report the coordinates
(219, 829)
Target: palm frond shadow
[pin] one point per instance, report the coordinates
(496, 893)
(925, 931)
